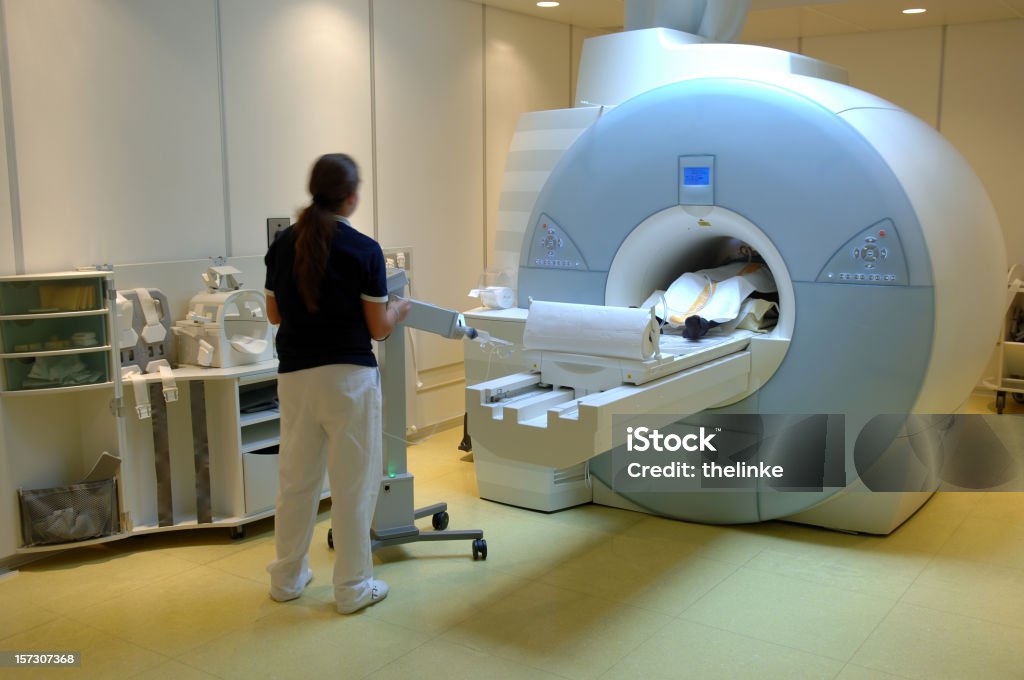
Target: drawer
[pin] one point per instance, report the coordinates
(259, 470)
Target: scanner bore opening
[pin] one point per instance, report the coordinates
(674, 241)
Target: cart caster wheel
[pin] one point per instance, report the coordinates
(1000, 402)
(1018, 397)
(440, 521)
(480, 549)
(330, 538)
(237, 533)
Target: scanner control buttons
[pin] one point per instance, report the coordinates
(872, 257)
(870, 252)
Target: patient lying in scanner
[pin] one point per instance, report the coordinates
(737, 295)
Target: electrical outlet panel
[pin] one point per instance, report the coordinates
(275, 225)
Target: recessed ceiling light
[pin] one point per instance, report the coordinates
(917, 10)
(548, 4)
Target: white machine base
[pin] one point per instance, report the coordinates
(853, 511)
(534, 487)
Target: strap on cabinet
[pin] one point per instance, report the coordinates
(162, 458)
(125, 322)
(141, 389)
(170, 385)
(153, 331)
(201, 448)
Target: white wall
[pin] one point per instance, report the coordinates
(429, 107)
(969, 83)
(117, 130)
(296, 85)
(901, 66)
(8, 263)
(983, 115)
(150, 131)
(528, 69)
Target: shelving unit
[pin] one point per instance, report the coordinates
(55, 331)
(53, 431)
(57, 386)
(1010, 379)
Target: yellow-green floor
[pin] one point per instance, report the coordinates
(591, 592)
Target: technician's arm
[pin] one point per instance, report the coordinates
(381, 318)
(273, 313)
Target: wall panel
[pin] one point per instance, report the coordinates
(429, 104)
(8, 259)
(528, 67)
(117, 130)
(296, 86)
(982, 114)
(903, 67)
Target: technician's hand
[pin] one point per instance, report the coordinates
(401, 307)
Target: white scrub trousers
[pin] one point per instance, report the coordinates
(330, 418)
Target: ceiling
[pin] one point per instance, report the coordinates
(780, 19)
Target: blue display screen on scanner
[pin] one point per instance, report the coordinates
(696, 177)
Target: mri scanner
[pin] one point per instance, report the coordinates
(886, 251)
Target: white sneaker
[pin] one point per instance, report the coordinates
(377, 591)
(278, 595)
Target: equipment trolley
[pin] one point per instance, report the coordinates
(1010, 379)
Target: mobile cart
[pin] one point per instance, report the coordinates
(1010, 379)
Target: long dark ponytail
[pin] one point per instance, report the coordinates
(333, 179)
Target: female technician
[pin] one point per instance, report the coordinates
(326, 288)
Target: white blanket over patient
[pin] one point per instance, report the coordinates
(720, 295)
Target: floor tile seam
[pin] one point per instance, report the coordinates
(836, 586)
(56, 617)
(456, 643)
(166, 577)
(1011, 626)
(526, 661)
(626, 600)
(990, 563)
(397, 658)
(263, 580)
(766, 642)
(701, 551)
(44, 608)
(871, 634)
(121, 638)
(80, 623)
(557, 514)
(669, 620)
(197, 668)
(952, 532)
(863, 667)
(182, 656)
(514, 571)
(165, 660)
(943, 560)
(538, 577)
(433, 633)
(931, 561)
(887, 600)
(660, 612)
(707, 594)
(134, 584)
(589, 597)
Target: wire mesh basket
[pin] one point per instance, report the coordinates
(69, 513)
